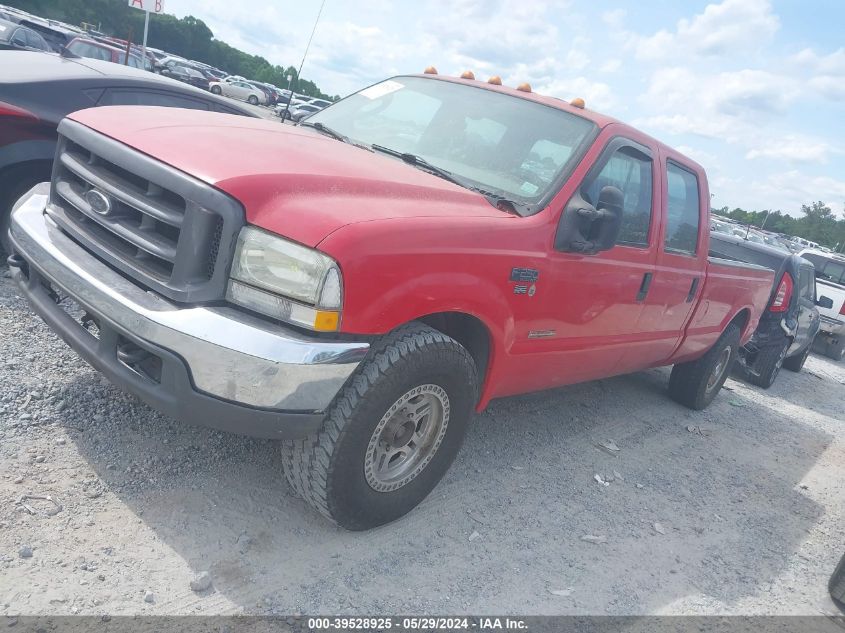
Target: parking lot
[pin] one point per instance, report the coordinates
(106, 506)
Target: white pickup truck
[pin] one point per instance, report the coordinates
(830, 282)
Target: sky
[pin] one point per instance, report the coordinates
(754, 90)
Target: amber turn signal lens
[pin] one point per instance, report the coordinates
(577, 102)
(431, 70)
(495, 80)
(325, 321)
(467, 74)
(524, 87)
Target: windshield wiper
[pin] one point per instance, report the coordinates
(333, 133)
(500, 202)
(325, 130)
(419, 161)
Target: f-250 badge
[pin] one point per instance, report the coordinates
(525, 275)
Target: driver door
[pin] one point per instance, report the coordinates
(595, 300)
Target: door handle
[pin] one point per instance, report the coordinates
(692, 290)
(644, 286)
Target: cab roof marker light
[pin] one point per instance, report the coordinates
(578, 102)
(524, 87)
(495, 80)
(467, 74)
(431, 70)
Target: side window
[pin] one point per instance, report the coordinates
(682, 210)
(19, 38)
(117, 96)
(808, 283)
(631, 171)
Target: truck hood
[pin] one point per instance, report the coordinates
(292, 181)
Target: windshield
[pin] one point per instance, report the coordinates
(511, 147)
(828, 269)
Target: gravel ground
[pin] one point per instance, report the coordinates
(737, 509)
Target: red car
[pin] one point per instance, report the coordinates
(93, 49)
(359, 284)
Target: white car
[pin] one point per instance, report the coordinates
(830, 282)
(239, 90)
(233, 78)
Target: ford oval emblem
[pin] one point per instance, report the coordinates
(100, 203)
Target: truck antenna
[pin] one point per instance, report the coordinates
(302, 63)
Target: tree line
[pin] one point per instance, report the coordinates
(188, 37)
(818, 224)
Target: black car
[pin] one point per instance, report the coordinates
(13, 36)
(186, 75)
(30, 111)
(56, 34)
(790, 322)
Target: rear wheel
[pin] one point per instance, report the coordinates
(767, 365)
(392, 432)
(696, 383)
(216, 90)
(796, 363)
(253, 99)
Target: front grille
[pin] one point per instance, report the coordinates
(165, 229)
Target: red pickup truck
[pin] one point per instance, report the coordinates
(359, 284)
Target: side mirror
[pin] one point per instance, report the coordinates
(825, 302)
(587, 229)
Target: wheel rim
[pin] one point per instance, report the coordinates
(406, 438)
(719, 369)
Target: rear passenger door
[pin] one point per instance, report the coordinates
(681, 259)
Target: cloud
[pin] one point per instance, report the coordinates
(791, 189)
(793, 148)
(824, 73)
(727, 105)
(728, 28)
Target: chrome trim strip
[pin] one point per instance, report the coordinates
(229, 354)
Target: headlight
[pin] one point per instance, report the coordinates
(285, 280)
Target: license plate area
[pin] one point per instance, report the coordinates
(75, 311)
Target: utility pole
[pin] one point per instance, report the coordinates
(146, 29)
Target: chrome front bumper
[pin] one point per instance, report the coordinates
(262, 375)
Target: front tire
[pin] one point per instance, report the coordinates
(767, 365)
(253, 100)
(696, 383)
(392, 432)
(216, 90)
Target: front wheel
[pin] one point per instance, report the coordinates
(391, 433)
(216, 90)
(696, 383)
(253, 99)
